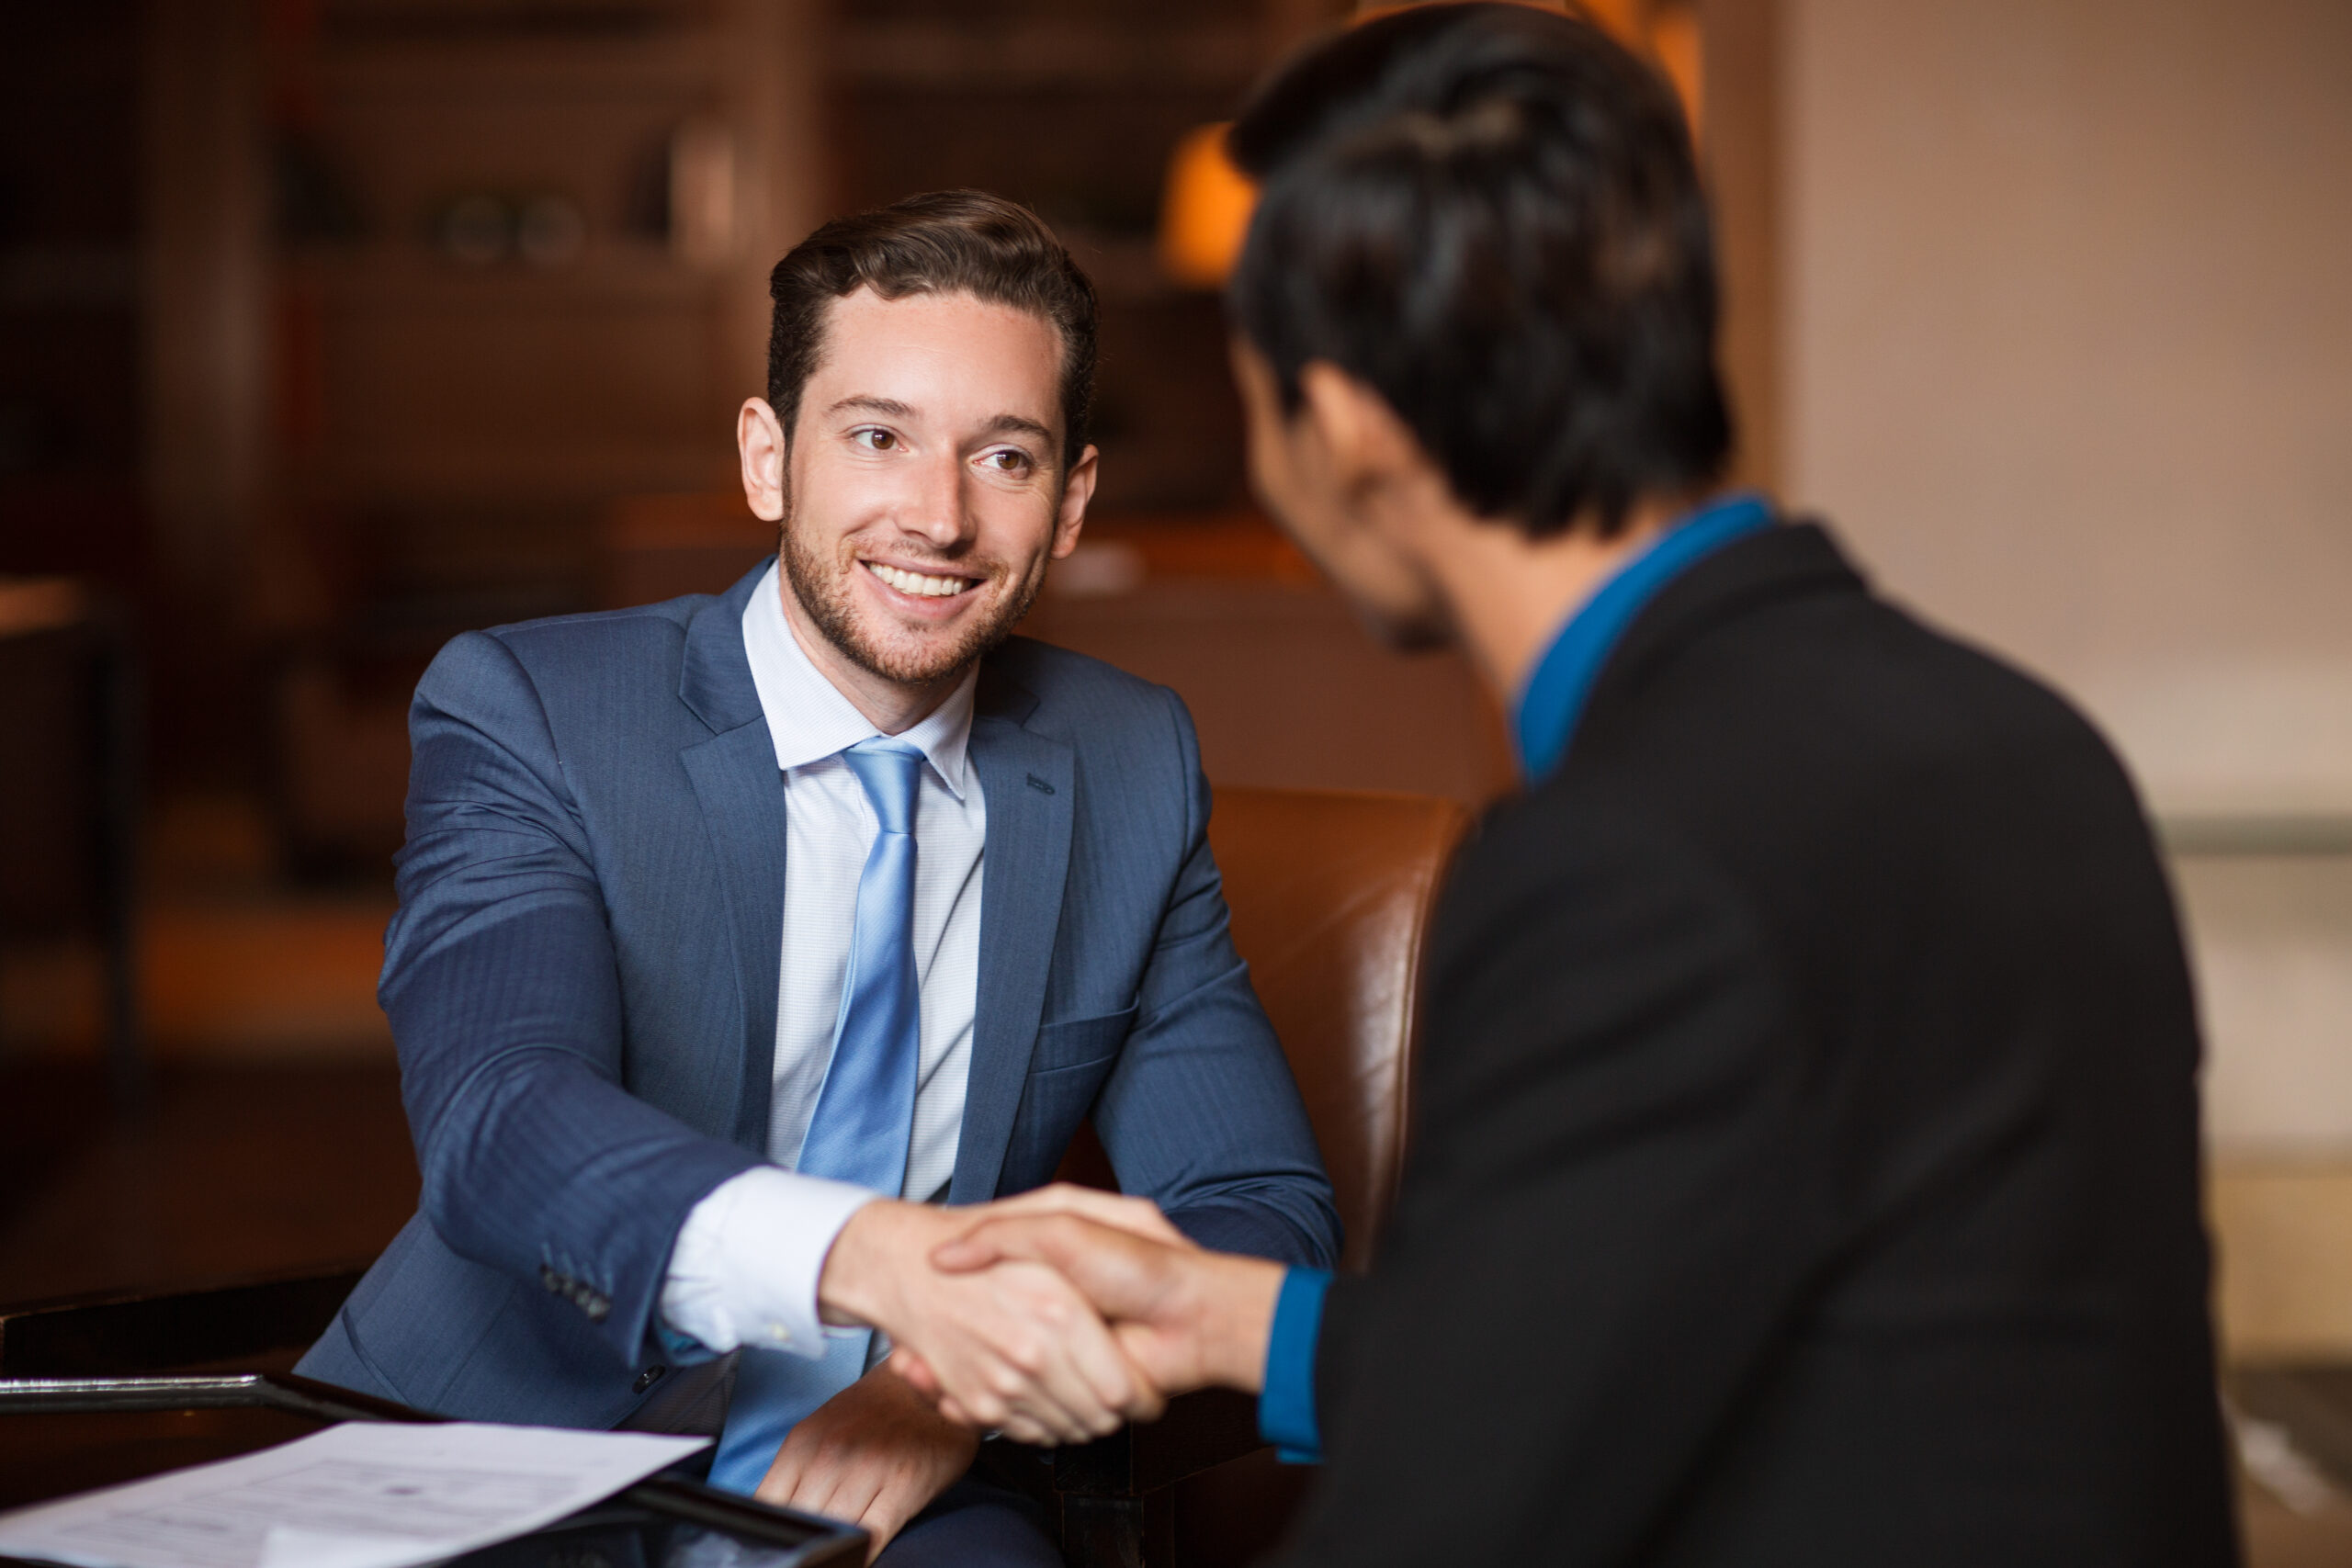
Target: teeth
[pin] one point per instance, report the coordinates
(916, 583)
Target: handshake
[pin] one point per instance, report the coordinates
(1054, 1317)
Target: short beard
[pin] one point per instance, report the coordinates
(826, 597)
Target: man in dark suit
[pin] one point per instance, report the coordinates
(1808, 1159)
(737, 933)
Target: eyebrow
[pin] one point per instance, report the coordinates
(890, 408)
(1018, 424)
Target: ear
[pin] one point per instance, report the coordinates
(758, 438)
(1370, 449)
(1077, 490)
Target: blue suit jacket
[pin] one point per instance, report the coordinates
(583, 978)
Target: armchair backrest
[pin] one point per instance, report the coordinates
(1331, 893)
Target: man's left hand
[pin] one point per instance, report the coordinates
(874, 1454)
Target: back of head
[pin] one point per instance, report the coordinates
(1490, 215)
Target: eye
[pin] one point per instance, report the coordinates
(874, 438)
(1008, 460)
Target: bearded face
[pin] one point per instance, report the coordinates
(923, 492)
(899, 642)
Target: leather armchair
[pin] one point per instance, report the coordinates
(1331, 893)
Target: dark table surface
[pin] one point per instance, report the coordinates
(665, 1523)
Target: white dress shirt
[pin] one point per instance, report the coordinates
(745, 1266)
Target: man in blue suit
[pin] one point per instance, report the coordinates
(737, 934)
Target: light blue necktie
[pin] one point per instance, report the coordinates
(865, 1114)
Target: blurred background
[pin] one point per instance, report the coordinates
(331, 328)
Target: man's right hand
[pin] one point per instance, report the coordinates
(1016, 1347)
(1184, 1317)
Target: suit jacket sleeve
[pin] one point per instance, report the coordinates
(500, 983)
(1201, 1114)
(1610, 1213)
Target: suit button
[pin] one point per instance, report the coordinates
(647, 1378)
(597, 1307)
(551, 1279)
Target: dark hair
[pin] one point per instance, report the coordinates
(1490, 215)
(948, 242)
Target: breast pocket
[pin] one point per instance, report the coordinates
(1081, 1042)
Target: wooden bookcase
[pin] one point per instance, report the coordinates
(517, 270)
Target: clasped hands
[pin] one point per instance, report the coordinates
(1054, 1317)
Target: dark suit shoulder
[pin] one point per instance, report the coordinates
(634, 653)
(1790, 722)
(1952, 862)
(595, 638)
(1547, 854)
(1581, 905)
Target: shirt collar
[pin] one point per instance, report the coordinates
(809, 719)
(1552, 701)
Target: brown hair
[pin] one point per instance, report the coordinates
(948, 242)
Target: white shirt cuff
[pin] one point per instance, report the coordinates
(745, 1266)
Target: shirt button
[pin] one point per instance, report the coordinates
(779, 1334)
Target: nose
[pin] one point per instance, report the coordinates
(936, 511)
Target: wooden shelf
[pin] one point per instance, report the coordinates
(394, 279)
(666, 64)
(1025, 58)
(513, 472)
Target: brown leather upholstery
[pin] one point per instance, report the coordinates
(1331, 893)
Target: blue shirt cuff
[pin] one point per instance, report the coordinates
(1286, 1402)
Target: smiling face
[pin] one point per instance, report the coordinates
(922, 491)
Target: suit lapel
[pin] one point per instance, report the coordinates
(1028, 783)
(741, 790)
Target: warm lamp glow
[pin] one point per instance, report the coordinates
(1674, 39)
(1206, 211)
(1666, 31)
(1624, 18)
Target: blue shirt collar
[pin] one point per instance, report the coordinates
(1558, 689)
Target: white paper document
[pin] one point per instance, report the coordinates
(363, 1495)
